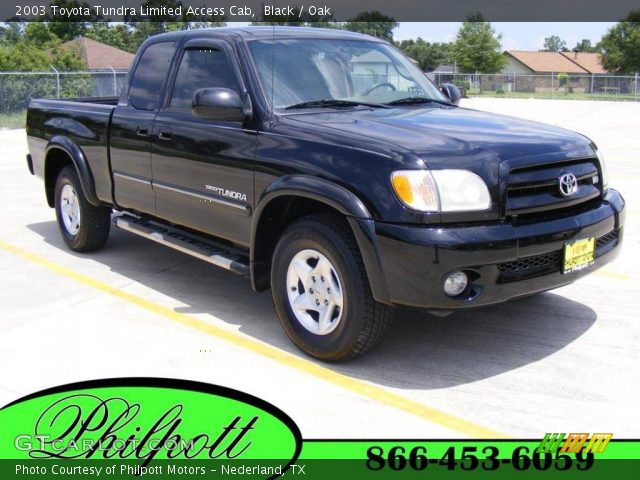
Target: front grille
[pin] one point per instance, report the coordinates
(605, 240)
(550, 215)
(528, 267)
(534, 189)
(547, 260)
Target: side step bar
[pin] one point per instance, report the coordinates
(186, 242)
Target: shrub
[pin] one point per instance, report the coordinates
(563, 78)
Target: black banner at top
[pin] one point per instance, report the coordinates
(319, 10)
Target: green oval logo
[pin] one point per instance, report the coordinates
(149, 421)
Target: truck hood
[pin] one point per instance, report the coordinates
(440, 134)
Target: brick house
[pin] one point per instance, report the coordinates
(532, 71)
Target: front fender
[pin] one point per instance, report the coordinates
(343, 201)
(79, 160)
(314, 188)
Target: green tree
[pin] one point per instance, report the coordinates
(117, 35)
(25, 56)
(621, 45)
(22, 56)
(584, 45)
(70, 27)
(39, 33)
(477, 47)
(372, 23)
(11, 32)
(428, 55)
(554, 44)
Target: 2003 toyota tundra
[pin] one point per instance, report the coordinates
(326, 166)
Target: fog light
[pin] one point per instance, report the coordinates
(455, 284)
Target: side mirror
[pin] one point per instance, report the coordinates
(218, 104)
(451, 92)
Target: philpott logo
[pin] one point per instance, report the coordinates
(146, 420)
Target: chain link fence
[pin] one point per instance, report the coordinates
(18, 88)
(553, 85)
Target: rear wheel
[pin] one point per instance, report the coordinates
(321, 291)
(83, 227)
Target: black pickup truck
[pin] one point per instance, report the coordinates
(326, 166)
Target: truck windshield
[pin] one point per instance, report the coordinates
(318, 72)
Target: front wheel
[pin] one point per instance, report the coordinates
(321, 291)
(83, 227)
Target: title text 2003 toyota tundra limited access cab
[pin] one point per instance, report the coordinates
(276, 153)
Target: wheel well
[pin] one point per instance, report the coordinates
(275, 218)
(56, 160)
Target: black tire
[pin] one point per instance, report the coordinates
(94, 222)
(364, 321)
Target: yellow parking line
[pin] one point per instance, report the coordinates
(359, 387)
(610, 274)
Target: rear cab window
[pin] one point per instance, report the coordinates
(150, 74)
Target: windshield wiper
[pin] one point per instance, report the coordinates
(416, 100)
(334, 103)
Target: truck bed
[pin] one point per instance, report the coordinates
(85, 121)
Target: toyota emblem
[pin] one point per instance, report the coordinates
(567, 184)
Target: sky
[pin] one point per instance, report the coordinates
(515, 35)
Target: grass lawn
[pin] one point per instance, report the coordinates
(12, 120)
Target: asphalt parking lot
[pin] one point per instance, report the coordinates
(562, 361)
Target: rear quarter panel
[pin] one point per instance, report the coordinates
(85, 124)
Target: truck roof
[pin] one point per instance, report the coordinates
(268, 32)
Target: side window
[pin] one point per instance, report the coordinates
(201, 68)
(150, 75)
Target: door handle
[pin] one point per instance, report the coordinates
(142, 131)
(164, 134)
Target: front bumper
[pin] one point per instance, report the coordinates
(503, 260)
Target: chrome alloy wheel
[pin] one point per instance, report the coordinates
(314, 291)
(70, 209)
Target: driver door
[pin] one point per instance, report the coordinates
(203, 169)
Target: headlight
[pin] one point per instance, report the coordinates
(441, 190)
(603, 168)
(461, 191)
(417, 189)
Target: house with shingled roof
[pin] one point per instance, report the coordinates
(100, 56)
(534, 71)
(108, 65)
